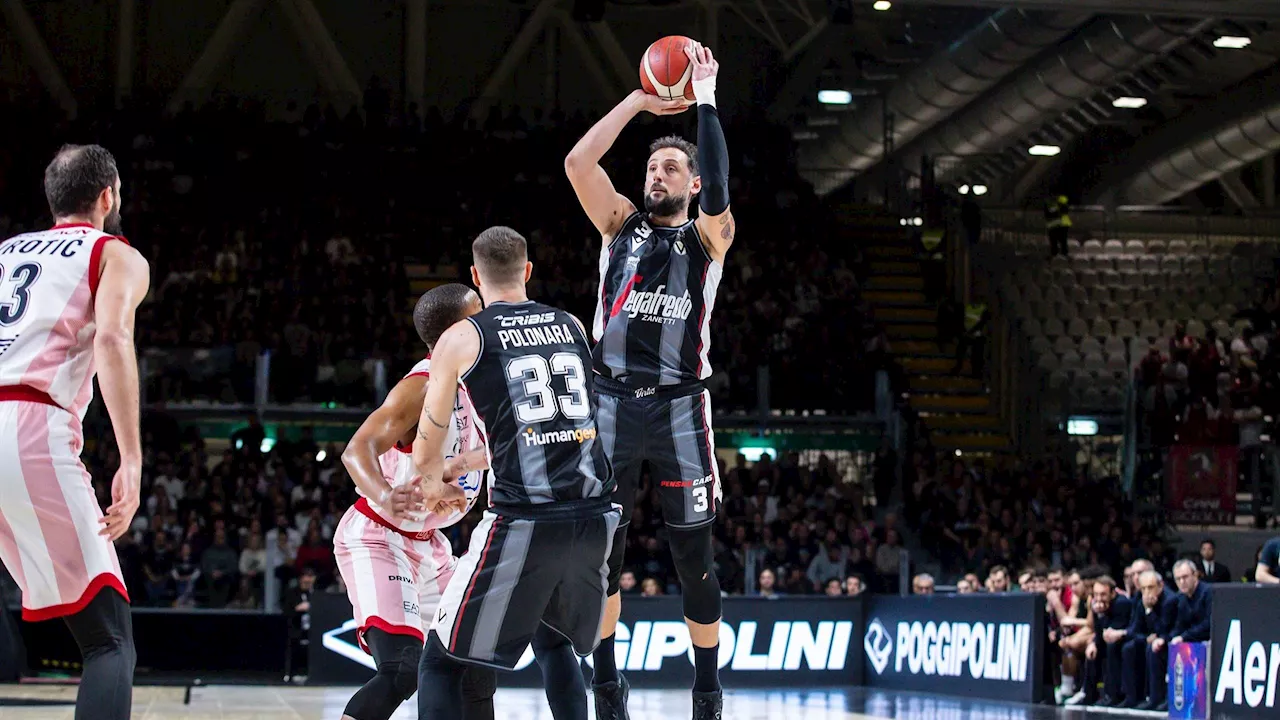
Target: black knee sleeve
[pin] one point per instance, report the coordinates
(699, 586)
(396, 679)
(479, 684)
(616, 555)
(104, 632)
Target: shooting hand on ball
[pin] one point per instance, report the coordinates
(704, 63)
(643, 101)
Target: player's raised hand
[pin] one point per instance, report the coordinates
(124, 501)
(704, 63)
(656, 105)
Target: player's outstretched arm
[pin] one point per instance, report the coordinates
(715, 222)
(1263, 574)
(122, 284)
(378, 434)
(457, 349)
(602, 203)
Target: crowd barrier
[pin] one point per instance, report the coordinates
(976, 646)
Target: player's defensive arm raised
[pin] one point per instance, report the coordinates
(602, 203)
(715, 222)
(377, 435)
(457, 349)
(122, 285)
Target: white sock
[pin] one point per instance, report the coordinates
(1068, 686)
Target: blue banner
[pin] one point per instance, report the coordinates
(1188, 681)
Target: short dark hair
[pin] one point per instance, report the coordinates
(500, 254)
(1209, 542)
(679, 143)
(1106, 581)
(75, 178)
(438, 309)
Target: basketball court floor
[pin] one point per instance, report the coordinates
(300, 703)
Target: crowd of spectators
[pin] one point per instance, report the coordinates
(290, 232)
(1215, 390)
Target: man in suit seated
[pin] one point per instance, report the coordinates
(1195, 605)
(1212, 570)
(1150, 647)
(1111, 614)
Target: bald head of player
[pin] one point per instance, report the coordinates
(82, 184)
(502, 266)
(671, 177)
(442, 306)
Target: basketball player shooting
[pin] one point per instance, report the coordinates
(537, 566)
(68, 296)
(659, 273)
(390, 551)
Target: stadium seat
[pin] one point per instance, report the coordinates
(1149, 263)
(1170, 263)
(1149, 329)
(1157, 247)
(1054, 328)
(1041, 345)
(1114, 345)
(1091, 247)
(1178, 247)
(1135, 247)
(1064, 345)
(1113, 247)
(1126, 328)
(1101, 327)
(1090, 346)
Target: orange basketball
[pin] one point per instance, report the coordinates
(665, 70)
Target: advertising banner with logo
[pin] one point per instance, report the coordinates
(1244, 662)
(1188, 681)
(763, 643)
(988, 646)
(1202, 484)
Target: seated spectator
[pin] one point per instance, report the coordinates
(922, 584)
(185, 573)
(1112, 613)
(854, 585)
(998, 579)
(1195, 607)
(975, 585)
(964, 586)
(651, 587)
(1150, 649)
(830, 562)
(218, 566)
(767, 584)
(834, 589)
(627, 583)
(1268, 570)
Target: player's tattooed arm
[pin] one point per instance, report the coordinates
(457, 349)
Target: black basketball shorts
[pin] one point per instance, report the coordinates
(523, 568)
(670, 427)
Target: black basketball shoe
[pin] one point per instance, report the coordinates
(611, 699)
(708, 706)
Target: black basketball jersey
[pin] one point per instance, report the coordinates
(653, 316)
(531, 387)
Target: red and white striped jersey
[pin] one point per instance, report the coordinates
(47, 284)
(398, 468)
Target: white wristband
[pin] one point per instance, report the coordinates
(705, 91)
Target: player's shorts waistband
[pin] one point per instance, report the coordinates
(364, 508)
(613, 388)
(23, 393)
(570, 510)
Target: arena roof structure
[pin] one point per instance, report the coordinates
(1126, 101)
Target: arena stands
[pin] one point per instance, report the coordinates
(1091, 317)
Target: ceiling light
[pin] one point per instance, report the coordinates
(1133, 103)
(835, 97)
(882, 5)
(1044, 150)
(979, 189)
(917, 221)
(1235, 42)
(964, 189)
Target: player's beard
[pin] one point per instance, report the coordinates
(667, 206)
(111, 223)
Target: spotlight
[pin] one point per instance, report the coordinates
(964, 189)
(1130, 103)
(1044, 150)
(979, 189)
(882, 5)
(835, 97)
(1234, 42)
